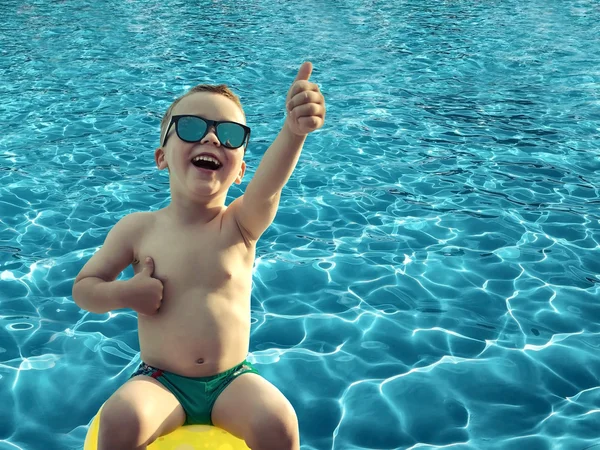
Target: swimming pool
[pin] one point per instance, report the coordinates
(432, 277)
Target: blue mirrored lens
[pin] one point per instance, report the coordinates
(230, 134)
(191, 129)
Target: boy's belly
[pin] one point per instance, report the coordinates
(196, 335)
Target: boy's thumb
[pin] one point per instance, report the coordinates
(304, 71)
(148, 266)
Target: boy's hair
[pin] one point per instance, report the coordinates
(220, 89)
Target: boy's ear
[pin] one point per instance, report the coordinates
(238, 180)
(159, 158)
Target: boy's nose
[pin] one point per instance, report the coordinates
(211, 137)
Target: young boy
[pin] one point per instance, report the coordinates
(193, 267)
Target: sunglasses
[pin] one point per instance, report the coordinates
(194, 128)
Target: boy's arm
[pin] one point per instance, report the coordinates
(255, 210)
(95, 288)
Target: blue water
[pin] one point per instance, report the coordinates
(432, 278)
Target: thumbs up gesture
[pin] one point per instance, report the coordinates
(305, 104)
(143, 292)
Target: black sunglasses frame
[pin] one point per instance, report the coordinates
(209, 124)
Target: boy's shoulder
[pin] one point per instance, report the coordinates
(135, 222)
(138, 216)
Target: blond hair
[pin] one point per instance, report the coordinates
(220, 89)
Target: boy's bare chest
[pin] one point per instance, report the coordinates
(207, 259)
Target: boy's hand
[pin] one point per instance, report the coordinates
(144, 294)
(305, 104)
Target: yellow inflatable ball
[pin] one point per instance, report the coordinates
(188, 437)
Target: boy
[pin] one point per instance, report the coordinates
(193, 268)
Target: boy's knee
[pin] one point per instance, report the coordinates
(121, 426)
(276, 431)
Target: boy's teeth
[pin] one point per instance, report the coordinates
(206, 162)
(209, 159)
(205, 158)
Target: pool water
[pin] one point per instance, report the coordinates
(432, 278)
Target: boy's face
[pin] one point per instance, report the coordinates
(177, 155)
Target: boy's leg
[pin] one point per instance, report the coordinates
(137, 413)
(253, 409)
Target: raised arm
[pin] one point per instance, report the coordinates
(255, 210)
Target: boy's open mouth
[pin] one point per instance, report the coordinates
(206, 162)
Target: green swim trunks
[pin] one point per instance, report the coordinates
(196, 395)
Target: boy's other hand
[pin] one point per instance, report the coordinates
(144, 293)
(305, 104)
